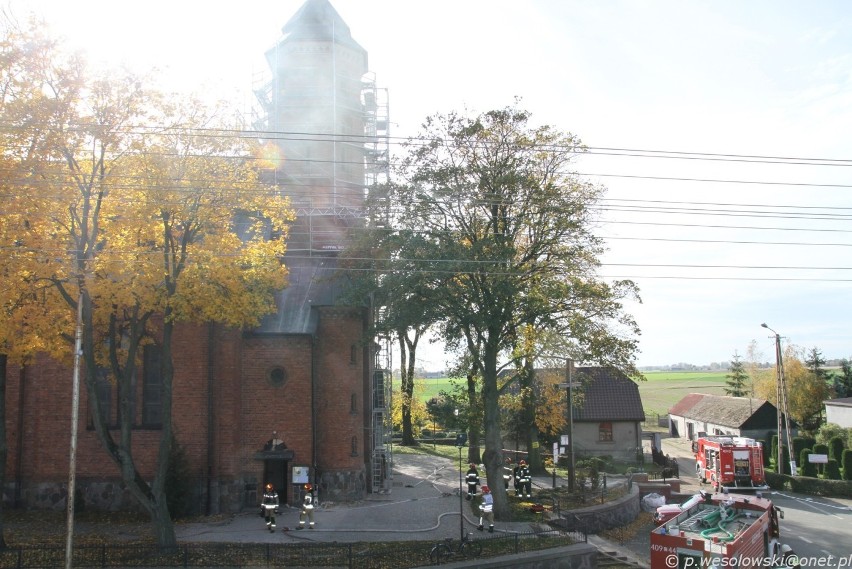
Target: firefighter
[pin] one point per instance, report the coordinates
(516, 475)
(270, 506)
(507, 473)
(472, 481)
(525, 484)
(486, 509)
(307, 512)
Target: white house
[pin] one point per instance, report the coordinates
(839, 411)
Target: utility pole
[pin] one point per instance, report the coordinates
(569, 369)
(781, 397)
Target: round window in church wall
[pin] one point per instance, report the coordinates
(276, 376)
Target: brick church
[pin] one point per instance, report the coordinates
(302, 398)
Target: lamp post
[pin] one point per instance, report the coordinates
(781, 396)
(461, 438)
(569, 368)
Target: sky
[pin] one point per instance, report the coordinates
(721, 131)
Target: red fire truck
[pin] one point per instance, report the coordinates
(727, 462)
(720, 530)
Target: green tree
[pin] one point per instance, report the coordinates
(402, 293)
(816, 364)
(843, 379)
(510, 228)
(737, 378)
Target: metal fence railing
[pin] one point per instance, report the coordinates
(390, 555)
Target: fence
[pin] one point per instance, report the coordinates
(390, 555)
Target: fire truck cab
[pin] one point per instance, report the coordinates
(728, 462)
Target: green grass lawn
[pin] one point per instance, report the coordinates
(660, 391)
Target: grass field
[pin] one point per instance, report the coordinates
(663, 389)
(659, 393)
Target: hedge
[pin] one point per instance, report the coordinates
(820, 487)
(776, 481)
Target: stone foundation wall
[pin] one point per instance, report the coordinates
(594, 519)
(342, 486)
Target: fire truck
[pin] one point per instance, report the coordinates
(720, 530)
(731, 463)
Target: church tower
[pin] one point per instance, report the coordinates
(327, 121)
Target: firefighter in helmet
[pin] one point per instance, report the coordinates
(525, 482)
(270, 506)
(486, 509)
(516, 477)
(472, 481)
(307, 513)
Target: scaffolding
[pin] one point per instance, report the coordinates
(381, 423)
(376, 132)
(374, 101)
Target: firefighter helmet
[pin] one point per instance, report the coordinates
(486, 489)
(523, 462)
(269, 487)
(308, 487)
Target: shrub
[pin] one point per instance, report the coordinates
(800, 444)
(835, 448)
(847, 464)
(807, 467)
(831, 430)
(832, 469)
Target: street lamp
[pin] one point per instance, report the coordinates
(569, 368)
(781, 396)
(461, 439)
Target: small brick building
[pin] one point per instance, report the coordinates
(301, 398)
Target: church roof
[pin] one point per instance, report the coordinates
(312, 281)
(317, 20)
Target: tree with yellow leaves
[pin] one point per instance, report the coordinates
(141, 210)
(805, 390)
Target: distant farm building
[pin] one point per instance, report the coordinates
(698, 413)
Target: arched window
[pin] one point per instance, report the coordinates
(354, 446)
(605, 432)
